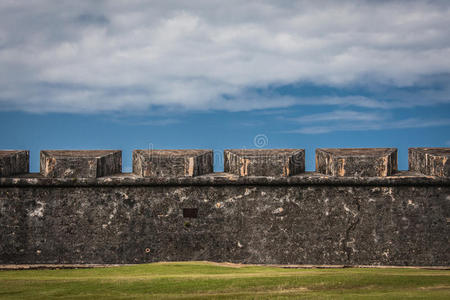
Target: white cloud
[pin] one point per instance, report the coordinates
(360, 121)
(79, 56)
(340, 115)
(151, 122)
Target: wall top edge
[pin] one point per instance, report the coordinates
(173, 152)
(264, 152)
(401, 178)
(358, 151)
(12, 151)
(433, 151)
(79, 153)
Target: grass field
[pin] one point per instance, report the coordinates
(199, 280)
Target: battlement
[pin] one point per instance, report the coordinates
(358, 163)
(80, 163)
(13, 162)
(356, 208)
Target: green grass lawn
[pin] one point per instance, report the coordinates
(198, 280)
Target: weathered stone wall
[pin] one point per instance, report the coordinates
(310, 218)
(335, 223)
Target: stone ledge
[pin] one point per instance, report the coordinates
(80, 163)
(362, 162)
(401, 178)
(430, 161)
(264, 162)
(166, 163)
(14, 162)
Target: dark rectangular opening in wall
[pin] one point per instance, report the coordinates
(190, 213)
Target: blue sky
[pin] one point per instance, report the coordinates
(223, 74)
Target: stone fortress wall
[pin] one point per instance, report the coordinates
(356, 209)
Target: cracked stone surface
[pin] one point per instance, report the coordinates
(80, 163)
(362, 162)
(173, 214)
(269, 224)
(172, 163)
(430, 161)
(264, 162)
(14, 162)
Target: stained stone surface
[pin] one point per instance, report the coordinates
(309, 218)
(13, 162)
(80, 163)
(172, 163)
(362, 162)
(430, 161)
(264, 162)
(311, 224)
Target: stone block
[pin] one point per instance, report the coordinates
(172, 163)
(14, 162)
(80, 163)
(264, 162)
(430, 161)
(359, 162)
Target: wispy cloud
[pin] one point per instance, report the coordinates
(341, 115)
(360, 121)
(145, 122)
(135, 55)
